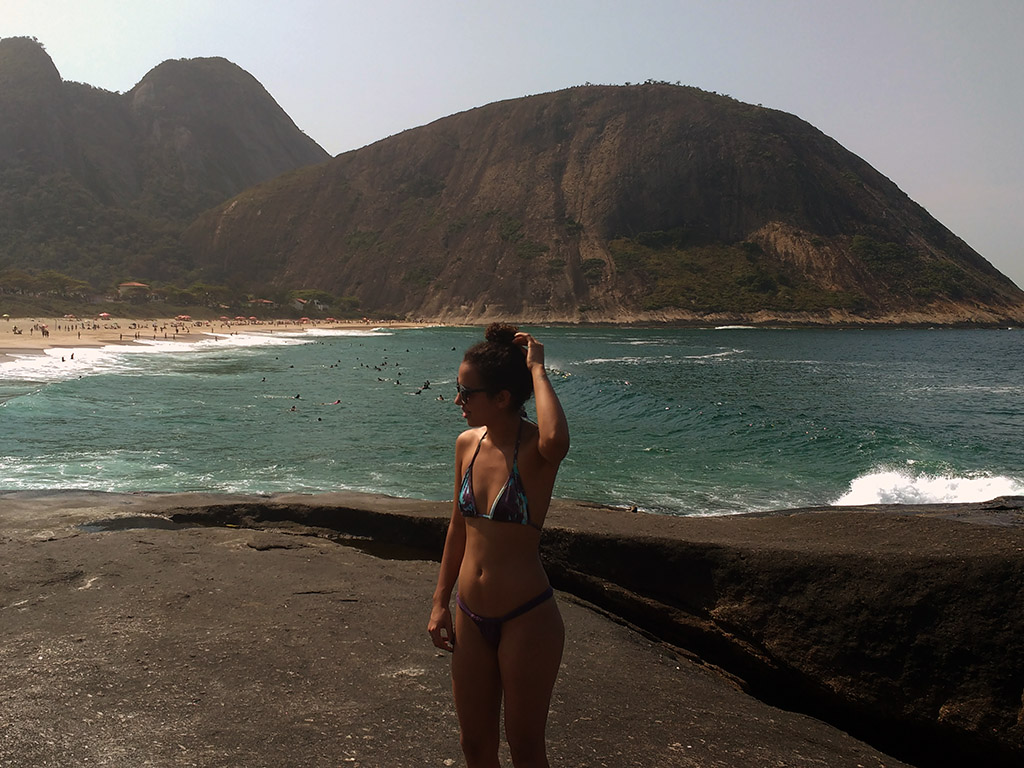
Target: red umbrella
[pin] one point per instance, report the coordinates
(105, 315)
(303, 319)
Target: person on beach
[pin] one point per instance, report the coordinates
(506, 636)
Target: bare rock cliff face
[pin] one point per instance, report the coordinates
(650, 202)
(31, 123)
(209, 126)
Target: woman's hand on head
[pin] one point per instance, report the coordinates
(533, 349)
(440, 628)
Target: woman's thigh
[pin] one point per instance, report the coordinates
(476, 684)
(529, 657)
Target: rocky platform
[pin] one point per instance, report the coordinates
(215, 630)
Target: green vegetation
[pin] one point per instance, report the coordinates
(677, 270)
(908, 272)
(510, 230)
(361, 239)
(457, 225)
(572, 227)
(715, 277)
(27, 293)
(53, 222)
(593, 270)
(46, 283)
(530, 249)
(422, 276)
(311, 294)
(425, 186)
(678, 237)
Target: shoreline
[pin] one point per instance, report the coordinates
(24, 336)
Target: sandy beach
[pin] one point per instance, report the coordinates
(19, 336)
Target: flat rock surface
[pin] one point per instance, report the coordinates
(150, 646)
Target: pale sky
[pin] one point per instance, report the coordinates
(929, 92)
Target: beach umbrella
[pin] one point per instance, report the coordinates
(303, 319)
(253, 318)
(105, 315)
(239, 317)
(6, 316)
(224, 317)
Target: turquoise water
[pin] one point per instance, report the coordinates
(675, 421)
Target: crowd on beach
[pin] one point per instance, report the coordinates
(35, 334)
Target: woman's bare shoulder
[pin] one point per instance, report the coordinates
(469, 436)
(465, 444)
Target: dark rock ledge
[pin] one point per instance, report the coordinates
(902, 625)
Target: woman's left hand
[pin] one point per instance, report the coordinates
(532, 348)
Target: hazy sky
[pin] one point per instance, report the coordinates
(929, 92)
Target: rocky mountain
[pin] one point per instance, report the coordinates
(99, 184)
(598, 203)
(631, 203)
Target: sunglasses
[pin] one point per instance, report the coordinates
(465, 392)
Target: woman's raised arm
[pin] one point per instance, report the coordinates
(553, 437)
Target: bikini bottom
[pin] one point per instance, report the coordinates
(489, 627)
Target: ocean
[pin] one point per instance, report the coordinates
(672, 421)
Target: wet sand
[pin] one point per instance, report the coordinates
(64, 333)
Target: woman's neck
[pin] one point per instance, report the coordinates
(504, 431)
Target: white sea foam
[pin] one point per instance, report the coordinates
(626, 360)
(347, 332)
(726, 353)
(887, 486)
(660, 359)
(62, 363)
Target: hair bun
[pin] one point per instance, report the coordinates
(500, 333)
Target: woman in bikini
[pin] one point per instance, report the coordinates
(506, 635)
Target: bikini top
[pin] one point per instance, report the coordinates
(509, 506)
